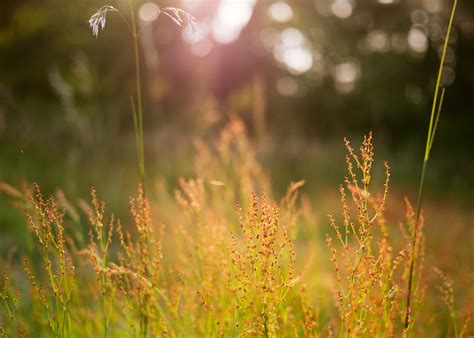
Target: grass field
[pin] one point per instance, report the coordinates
(226, 251)
(220, 256)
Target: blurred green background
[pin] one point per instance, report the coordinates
(303, 74)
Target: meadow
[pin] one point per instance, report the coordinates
(225, 258)
(224, 252)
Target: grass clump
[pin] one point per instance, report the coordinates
(263, 270)
(54, 292)
(370, 271)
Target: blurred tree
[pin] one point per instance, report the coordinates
(317, 69)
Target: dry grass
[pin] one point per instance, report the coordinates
(220, 256)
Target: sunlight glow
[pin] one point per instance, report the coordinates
(232, 16)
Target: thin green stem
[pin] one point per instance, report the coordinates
(434, 118)
(126, 22)
(10, 314)
(138, 112)
(104, 296)
(136, 130)
(138, 125)
(455, 325)
(437, 116)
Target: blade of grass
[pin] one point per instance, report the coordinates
(437, 116)
(434, 118)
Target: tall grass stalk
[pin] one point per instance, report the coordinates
(434, 119)
(97, 22)
(138, 111)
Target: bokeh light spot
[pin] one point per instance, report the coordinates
(433, 6)
(298, 59)
(280, 11)
(294, 51)
(417, 40)
(292, 37)
(419, 16)
(378, 41)
(342, 9)
(345, 72)
(345, 75)
(287, 86)
(448, 76)
(148, 11)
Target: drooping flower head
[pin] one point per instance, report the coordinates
(179, 17)
(98, 19)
